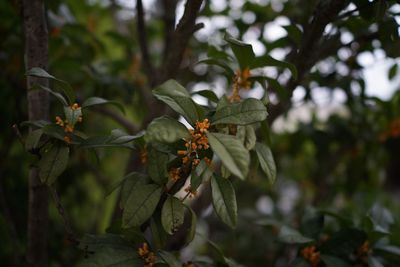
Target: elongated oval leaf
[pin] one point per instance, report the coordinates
(32, 141)
(291, 236)
(94, 101)
(53, 163)
(210, 95)
(65, 87)
(224, 200)
(332, 261)
(232, 153)
(169, 259)
(266, 60)
(58, 96)
(140, 205)
(166, 130)
(266, 160)
(243, 52)
(157, 166)
(249, 111)
(128, 183)
(176, 96)
(193, 223)
(247, 135)
(172, 214)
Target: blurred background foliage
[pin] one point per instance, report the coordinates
(343, 158)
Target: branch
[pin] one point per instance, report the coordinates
(324, 13)
(67, 225)
(180, 38)
(169, 16)
(142, 36)
(128, 125)
(36, 55)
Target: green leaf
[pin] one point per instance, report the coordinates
(140, 205)
(54, 131)
(332, 261)
(166, 130)
(72, 115)
(176, 96)
(172, 214)
(53, 162)
(243, 52)
(312, 223)
(157, 166)
(224, 200)
(266, 160)
(266, 60)
(374, 262)
(210, 95)
(393, 71)
(231, 152)
(65, 87)
(157, 231)
(247, 135)
(193, 223)
(58, 96)
(249, 111)
(299, 262)
(36, 123)
(344, 242)
(291, 236)
(94, 101)
(169, 259)
(212, 61)
(200, 174)
(112, 257)
(128, 183)
(294, 33)
(32, 141)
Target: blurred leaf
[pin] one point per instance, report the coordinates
(212, 61)
(224, 200)
(32, 140)
(312, 224)
(193, 223)
(94, 101)
(176, 96)
(249, 111)
(209, 94)
(266, 160)
(393, 71)
(243, 52)
(72, 115)
(231, 152)
(344, 242)
(157, 231)
(331, 261)
(36, 123)
(169, 259)
(266, 60)
(374, 262)
(58, 96)
(140, 204)
(291, 236)
(299, 262)
(53, 162)
(172, 214)
(166, 130)
(66, 88)
(294, 33)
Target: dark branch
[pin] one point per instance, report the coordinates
(169, 17)
(180, 38)
(128, 125)
(306, 57)
(142, 36)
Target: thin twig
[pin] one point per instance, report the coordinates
(67, 225)
(18, 134)
(128, 125)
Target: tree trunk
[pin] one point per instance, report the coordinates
(36, 55)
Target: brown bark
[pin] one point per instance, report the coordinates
(36, 55)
